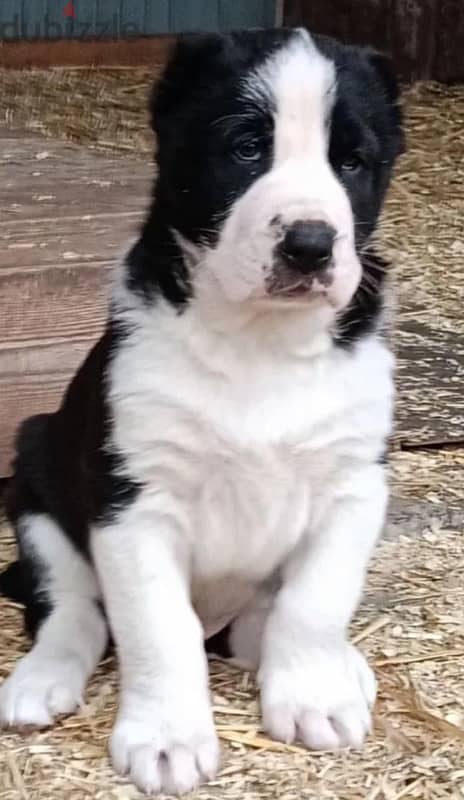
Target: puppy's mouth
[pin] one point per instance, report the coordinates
(283, 283)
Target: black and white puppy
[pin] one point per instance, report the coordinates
(215, 470)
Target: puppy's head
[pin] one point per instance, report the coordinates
(274, 153)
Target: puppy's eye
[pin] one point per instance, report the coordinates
(352, 163)
(248, 149)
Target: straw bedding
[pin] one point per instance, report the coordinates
(411, 620)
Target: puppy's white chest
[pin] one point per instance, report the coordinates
(249, 515)
(249, 512)
(244, 464)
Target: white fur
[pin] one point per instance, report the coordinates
(51, 678)
(319, 692)
(313, 684)
(256, 440)
(247, 630)
(164, 736)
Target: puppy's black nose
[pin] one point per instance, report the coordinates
(307, 246)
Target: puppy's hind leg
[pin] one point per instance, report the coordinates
(240, 643)
(69, 642)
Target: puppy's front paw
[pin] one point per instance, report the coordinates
(321, 696)
(40, 689)
(165, 747)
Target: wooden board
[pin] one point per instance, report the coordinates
(430, 374)
(148, 51)
(66, 214)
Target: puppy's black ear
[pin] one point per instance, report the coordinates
(383, 66)
(387, 80)
(188, 67)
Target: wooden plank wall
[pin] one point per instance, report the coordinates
(149, 51)
(425, 37)
(108, 19)
(65, 216)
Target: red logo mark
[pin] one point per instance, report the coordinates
(69, 10)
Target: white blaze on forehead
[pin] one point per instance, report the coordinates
(301, 83)
(303, 93)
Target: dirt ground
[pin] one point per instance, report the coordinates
(411, 621)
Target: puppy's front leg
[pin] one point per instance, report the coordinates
(315, 686)
(164, 736)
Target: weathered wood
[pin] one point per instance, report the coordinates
(65, 52)
(66, 214)
(365, 21)
(51, 303)
(425, 37)
(449, 52)
(412, 37)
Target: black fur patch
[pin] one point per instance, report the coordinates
(65, 468)
(21, 582)
(198, 112)
(65, 465)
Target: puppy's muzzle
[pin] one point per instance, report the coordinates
(303, 258)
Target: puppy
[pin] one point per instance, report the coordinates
(215, 471)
